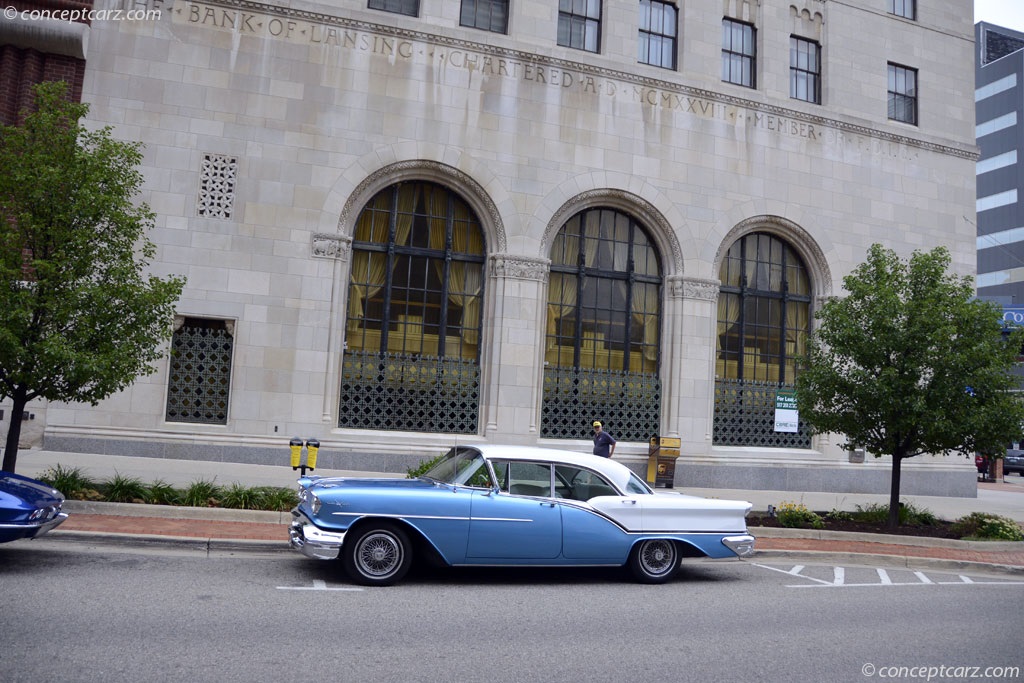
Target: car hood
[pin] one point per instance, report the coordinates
(17, 491)
(347, 484)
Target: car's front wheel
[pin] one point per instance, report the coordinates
(654, 561)
(377, 554)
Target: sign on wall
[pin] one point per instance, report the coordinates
(787, 418)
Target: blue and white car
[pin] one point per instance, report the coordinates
(495, 505)
(28, 508)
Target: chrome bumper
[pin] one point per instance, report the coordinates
(33, 530)
(743, 546)
(312, 541)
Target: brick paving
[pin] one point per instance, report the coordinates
(261, 531)
(186, 528)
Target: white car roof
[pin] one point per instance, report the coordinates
(615, 472)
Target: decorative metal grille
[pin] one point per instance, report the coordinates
(629, 403)
(217, 186)
(745, 416)
(200, 375)
(405, 392)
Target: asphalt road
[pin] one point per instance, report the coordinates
(84, 613)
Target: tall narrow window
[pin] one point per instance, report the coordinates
(804, 70)
(415, 298)
(763, 322)
(488, 15)
(579, 24)
(903, 8)
(408, 7)
(603, 321)
(902, 94)
(658, 29)
(199, 380)
(739, 53)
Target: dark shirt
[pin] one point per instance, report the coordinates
(602, 442)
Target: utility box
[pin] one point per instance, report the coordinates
(661, 460)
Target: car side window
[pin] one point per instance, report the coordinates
(582, 484)
(524, 478)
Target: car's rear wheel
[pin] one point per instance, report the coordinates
(654, 561)
(379, 554)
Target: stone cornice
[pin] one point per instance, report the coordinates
(678, 89)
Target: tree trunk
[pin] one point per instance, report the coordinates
(19, 400)
(894, 493)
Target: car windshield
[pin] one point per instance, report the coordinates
(465, 467)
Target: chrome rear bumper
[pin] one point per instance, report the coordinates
(743, 546)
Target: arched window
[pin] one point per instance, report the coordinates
(764, 313)
(603, 322)
(412, 354)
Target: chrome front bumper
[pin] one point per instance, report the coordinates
(743, 546)
(32, 529)
(312, 541)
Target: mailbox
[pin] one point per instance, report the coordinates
(661, 460)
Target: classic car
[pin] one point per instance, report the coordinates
(28, 508)
(1014, 462)
(492, 505)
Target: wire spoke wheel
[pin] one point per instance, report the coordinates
(654, 561)
(380, 556)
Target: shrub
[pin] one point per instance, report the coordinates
(201, 493)
(797, 516)
(988, 527)
(878, 513)
(122, 489)
(162, 493)
(70, 481)
(278, 499)
(424, 465)
(839, 516)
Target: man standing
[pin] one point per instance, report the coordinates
(604, 443)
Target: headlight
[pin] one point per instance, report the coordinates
(314, 504)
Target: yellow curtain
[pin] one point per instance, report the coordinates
(797, 317)
(368, 268)
(728, 315)
(466, 280)
(645, 310)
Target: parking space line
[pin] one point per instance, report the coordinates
(883, 577)
(922, 577)
(839, 576)
(319, 585)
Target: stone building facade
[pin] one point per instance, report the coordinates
(408, 224)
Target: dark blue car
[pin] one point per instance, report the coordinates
(28, 508)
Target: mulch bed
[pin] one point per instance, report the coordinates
(941, 528)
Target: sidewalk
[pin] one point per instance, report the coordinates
(269, 530)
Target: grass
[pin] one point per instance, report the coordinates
(75, 485)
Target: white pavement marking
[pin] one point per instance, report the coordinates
(318, 585)
(839, 579)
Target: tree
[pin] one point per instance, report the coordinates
(79, 319)
(910, 362)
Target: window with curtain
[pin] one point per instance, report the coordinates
(414, 312)
(763, 310)
(739, 53)
(804, 70)
(488, 15)
(658, 28)
(603, 326)
(408, 7)
(902, 94)
(579, 24)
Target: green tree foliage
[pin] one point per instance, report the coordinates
(79, 317)
(911, 363)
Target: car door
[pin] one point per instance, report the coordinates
(519, 523)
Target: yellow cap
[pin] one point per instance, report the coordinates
(597, 423)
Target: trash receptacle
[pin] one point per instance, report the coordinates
(661, 460)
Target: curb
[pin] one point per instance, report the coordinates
(176, 512)
(208, 545)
